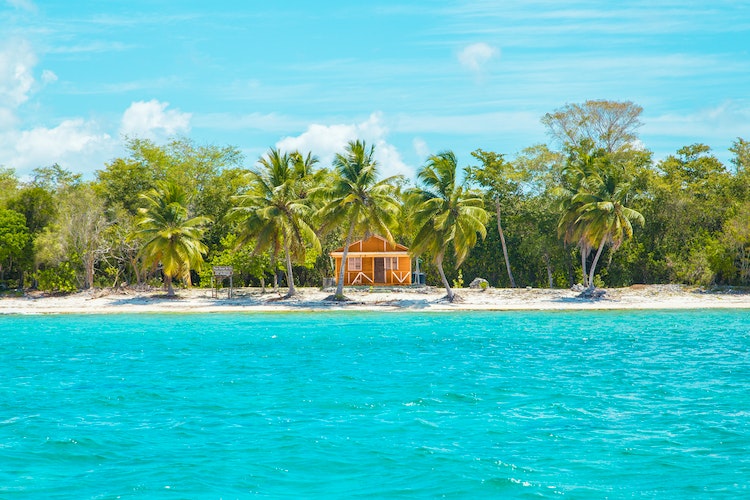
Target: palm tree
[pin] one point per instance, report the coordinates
(358, 201)
(580, 166)
(595, 215)
(170, 237)
(446, 213)
(275, 210)
(603, 214)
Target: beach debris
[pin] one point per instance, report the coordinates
(477, 283)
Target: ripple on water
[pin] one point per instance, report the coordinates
(606, 404)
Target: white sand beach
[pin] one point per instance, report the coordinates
(196, 300)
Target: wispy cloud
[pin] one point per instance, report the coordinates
(96, 46)
(121, 87)
(475, 56)
(26, 5)
(267, 122)
(726, 121)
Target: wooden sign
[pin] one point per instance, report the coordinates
(223, 271)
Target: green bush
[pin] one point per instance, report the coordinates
(61, 278)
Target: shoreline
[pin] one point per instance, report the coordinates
(423, 299)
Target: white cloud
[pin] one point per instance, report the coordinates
(48, 76)
(17, 61)
(327, 140)
(7, 119)
(74, 144)
(421, 148)
(152, 120)
(725, 121)
(475, 56)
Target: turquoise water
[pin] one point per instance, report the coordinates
(406, 405)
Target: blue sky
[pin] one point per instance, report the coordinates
(412, 78)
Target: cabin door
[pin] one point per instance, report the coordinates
(379, 270)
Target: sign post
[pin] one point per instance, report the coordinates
(221, 273)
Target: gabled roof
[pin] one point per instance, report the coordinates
(378, 241)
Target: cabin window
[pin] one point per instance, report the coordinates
(391, 263)
(354, 263)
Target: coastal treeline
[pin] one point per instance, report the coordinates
(591, 207)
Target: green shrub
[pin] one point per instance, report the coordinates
(459, 281)
(61, 278)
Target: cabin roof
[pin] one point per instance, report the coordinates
(355, 248)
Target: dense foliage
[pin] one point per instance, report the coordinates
(593, 207)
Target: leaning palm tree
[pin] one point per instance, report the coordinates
(602, 212)
(170, 237)
(594, 212)
(581, 165)
(446, 214)
(275, 210)
(358, 201)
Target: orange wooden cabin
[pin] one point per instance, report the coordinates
(374, 261)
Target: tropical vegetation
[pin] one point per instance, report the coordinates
(592, 206)
(446, 214)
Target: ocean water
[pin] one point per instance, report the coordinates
(376, 405)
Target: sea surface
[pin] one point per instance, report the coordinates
(645, 404)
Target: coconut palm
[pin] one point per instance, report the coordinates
(603, 214)
(580, 166)
(275, 210)
(170, 237)
(358, 201)
(596, 215)
(446, 213)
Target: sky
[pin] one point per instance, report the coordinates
(412, 78)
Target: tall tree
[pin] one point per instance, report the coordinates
(14, 242)
(741, 162)
(171, 238)
(358, 201)
(123, 180)
(82, 225)
(502, 182)
(275, 210)
(8, 185)
(610, 125)
(447, 213)
(741, 158)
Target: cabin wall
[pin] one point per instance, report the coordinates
(404, 271)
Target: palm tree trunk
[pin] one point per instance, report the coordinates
(170, 290)
(439, 263)
(273, 270)
(289, 273)
(340, 284)
(502, 241)
(596, 260)
(584, 255)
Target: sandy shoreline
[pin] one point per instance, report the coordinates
(407, 299)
